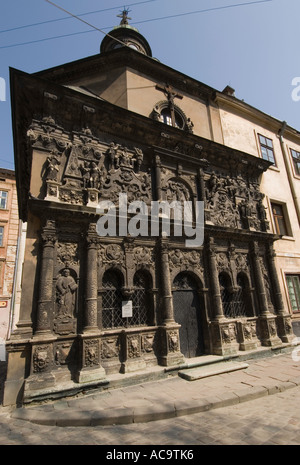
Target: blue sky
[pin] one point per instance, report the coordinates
(253, 47)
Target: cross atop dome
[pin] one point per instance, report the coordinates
(124, 17)
(124, 35)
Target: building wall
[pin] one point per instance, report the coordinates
(9, 220)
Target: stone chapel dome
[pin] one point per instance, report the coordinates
(126, 35)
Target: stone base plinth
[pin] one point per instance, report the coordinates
(268, 331)
(285, 328)
(88, 375)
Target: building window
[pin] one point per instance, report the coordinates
(171, 119)
(296, 161)
(1, 235)
(3, 199)
(293, 284)
(279, 219)
(267, 149)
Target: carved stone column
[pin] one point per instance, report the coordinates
(41, 376)
(284, 321)
(45, 301)
(259, 281)
(91, 370)
(91, 289)
(166, 288)
(214, 282)
(158, 177)
(201, 185)
(169, 332)
(266, 320)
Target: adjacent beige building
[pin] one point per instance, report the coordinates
(246, 128)
(9, 233)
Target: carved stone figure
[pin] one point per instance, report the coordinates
(113, 159)
(138, 159)
(85, 170)
(65, 290)
(52, 168)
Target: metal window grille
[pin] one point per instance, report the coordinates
(233, 301)
(112, 302)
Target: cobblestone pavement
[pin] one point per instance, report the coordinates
(271, 420)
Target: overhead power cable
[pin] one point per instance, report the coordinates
(69, 17)
(102, 30)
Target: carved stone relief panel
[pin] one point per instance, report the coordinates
(90, 169)
(64, 353)
(228, 333)
(110, 347)
(235, 202)
(173, 341)
(41, 358)
(143, 256)
(242, 262)
(182, 260)
(67, 254)
(133, 346)
(111, 254)
(223, 261)
(148, 343)
(91, 356)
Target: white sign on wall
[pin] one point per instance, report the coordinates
(127, 309)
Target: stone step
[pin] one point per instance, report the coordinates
(211, 369)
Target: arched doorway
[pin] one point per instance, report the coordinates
(187, 308)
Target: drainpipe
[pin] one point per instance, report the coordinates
(288, 170)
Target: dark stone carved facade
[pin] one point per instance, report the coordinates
(77, 331)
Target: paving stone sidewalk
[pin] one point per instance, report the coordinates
(168, 398)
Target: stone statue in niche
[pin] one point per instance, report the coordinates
(52, 168)
(95, 176)
(85, 170)
(91, 175)
(125, 159)
(65, 292)
(113, 158)
(138, 159)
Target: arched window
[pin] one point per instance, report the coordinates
(112, 300)
(242, 296)
(172, 115)
(236, 301)
(166, 117)
(141, 300)
(226, 294)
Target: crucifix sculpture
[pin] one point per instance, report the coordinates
(171, 94)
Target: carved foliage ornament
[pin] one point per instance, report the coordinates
(67, 254)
